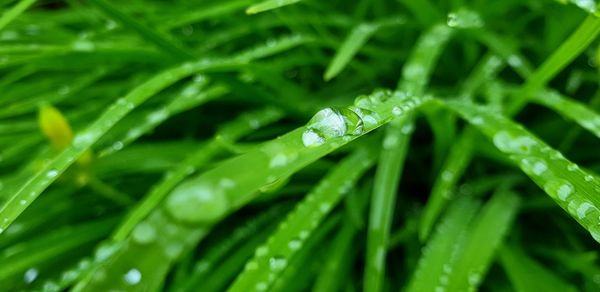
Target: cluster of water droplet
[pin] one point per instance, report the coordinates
(356, 119)
(464, 18)
(532, 157)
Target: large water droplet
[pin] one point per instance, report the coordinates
(331, 123)
(196, 202)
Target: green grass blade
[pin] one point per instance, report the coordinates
(415, 75)
(581, 114)
(10, 14)
(36, 184)
(271, 258)
(147, 33)
(351, 45)
(434, 264)
(269, 5)
(585, 34)
(389, 170)
(232, 131)
(203, 268)
(526, 274)
(339, 260)
(444, 187)
(213, 11)
(420, 65)
(573, 189)
(48, 247)
(484, 237)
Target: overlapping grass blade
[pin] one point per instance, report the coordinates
(526, 274)
(581, 114)
(395, 146)
(85, 139)
(578, 41)
(435, 264)
(271, 258)
(351, 45)
(147, 33)
(231, 132)
(573, 189)
(483, 238)
(12, 13)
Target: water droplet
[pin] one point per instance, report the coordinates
(52, 173)
(324, 207)
(83, 46)
(64, 90)
(195, 202)
(226, 183)
(447, 175)
(144, 233)
(251, 266)
(69, 276)
(559, 188)
(277, 263)
(477, 120)
(588, 178)
(390, 142)
(50, 287)
(123, 102)
(132, 277)
(117, 146)
(304, 235)
(261, 251)
(105, 251)
(515, 61)
(23, 202)
(588, 5)
(331, 123)
(464, 18)
(534, 165)
(583, 209)
(572, 167)
(30, 275)
(157, 116)
(295, 244)
(280, 159)
(508, 143)
(261, 286)
(110, 25)
(397, 111)
(474, 278)
(371, 101)
(311, 138)
(174, 249)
